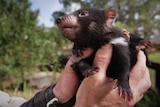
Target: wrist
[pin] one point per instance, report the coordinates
(62, 97)
(52, 100)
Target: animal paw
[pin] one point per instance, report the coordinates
(77, 53)
(78, 50)
(90, 71)
(125, 93)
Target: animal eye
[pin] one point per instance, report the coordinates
(83, 13)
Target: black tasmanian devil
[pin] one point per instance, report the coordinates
(93, 28)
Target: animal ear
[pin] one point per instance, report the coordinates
(143, 44)
(110, 13)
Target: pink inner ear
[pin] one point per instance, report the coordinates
(110, 12)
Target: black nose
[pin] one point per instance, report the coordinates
(58, 20)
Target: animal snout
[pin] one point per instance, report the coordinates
(59, 20)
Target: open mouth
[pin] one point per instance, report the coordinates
(66, 28)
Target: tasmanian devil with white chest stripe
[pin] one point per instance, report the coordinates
(93, 28)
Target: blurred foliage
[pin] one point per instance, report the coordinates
(155, 57)
(151, 99)
(24, 45)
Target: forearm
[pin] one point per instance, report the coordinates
(40, 100)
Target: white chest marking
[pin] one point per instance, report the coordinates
(119, 41)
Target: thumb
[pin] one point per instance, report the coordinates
(141, 59)
(140, 66)
(103, 57)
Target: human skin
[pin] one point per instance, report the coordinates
(97, 90)
(68, 82)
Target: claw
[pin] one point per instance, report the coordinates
(90, 71)
(120, 91)
(130, 95)
(125, 93)
(78, 50)
(78, 53)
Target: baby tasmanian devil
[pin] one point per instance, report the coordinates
(93, 28)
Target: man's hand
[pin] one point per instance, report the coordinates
(68, 82)
(139, 78)
(99, 91)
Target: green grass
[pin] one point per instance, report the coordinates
(155, 57)
(152, 76)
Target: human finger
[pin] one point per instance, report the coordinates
(139, 78)
(144, 83)
(141, 59)
(139, 87)
(86, 53)
(103, 57)
(67, 84)
(140, 67)
(97, 81)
